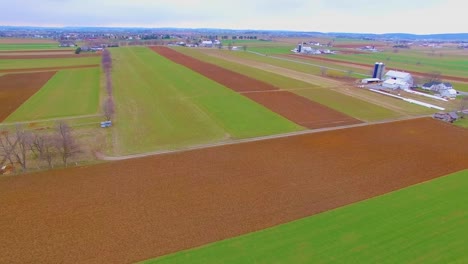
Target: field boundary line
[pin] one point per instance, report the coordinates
(102, 156)
(49, 120)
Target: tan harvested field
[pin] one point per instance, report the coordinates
(48, 68)
(126, 211)
(362, 65)
(25, 40)
(294, 107)
(15, 89)
(46, 56)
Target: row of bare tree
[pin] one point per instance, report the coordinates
(109, 106)
(20, 146)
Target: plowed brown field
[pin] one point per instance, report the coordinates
(300, 111)
(49, 69)
(47, 56)
(293, 107)
(137, 209)
(17, 88)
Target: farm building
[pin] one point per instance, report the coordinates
(370, 80)
(207, 44)
(397, 80)
(437, 86)
(444, 89)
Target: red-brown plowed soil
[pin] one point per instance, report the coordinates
(137, 209)
(50, 69)
(17, 88)
(38, 51)
(48, 56)
(420, 74)
(294, 107)
(233, 80)
(303, 111)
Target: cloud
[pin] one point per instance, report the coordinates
(429, 16)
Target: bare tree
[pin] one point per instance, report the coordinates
(66, 145)
(434, 76)
(44, 145)
(21, 152)
(7, 147)
(14, 148)
(109, 108)
(244, 47)
(229, 46)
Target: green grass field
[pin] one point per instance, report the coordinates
(68, 93)
(413, 61)
(30, 46)
(163, 105)
(45, 63)
(463, 122)
(348, 105)
(425, 223)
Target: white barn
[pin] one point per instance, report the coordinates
(398, 80)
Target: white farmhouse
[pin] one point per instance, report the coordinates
(398, 80)
(444, 89)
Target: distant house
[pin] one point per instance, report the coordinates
(398, 80)
(437, 86)
(206, 44)
(444, 89)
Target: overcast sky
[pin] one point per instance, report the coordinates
(364, 16)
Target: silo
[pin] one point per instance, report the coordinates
(299, 48)
(376, 69)
(379, 70)
(382, 71)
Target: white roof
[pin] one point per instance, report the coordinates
(393, 82)
(397, 74)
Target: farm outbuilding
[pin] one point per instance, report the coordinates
(398, 80)
(444, 89)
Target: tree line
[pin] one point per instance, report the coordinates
(21, 146)
(108, 106)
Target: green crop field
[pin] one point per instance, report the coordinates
(272, 50)
(463, 122)
(29, 46)
(425, 223)
(45, 63)
(68, 93)
(349, 105)
(413, 61)
(161, 105)
(271, 78)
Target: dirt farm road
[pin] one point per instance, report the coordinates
(102, 156)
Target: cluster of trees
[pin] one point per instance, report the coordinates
(21, 146)
(108, 106)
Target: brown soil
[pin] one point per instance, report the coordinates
(369, 66)
(48, 56)
(17, 88)
(294, 107)
(37, 51)
(303, 111)
(49, 69)
(132, 210)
